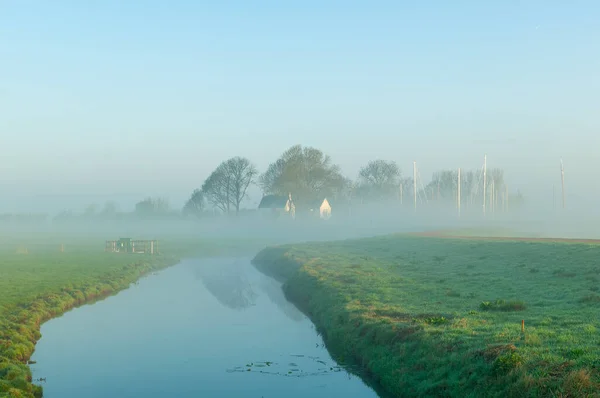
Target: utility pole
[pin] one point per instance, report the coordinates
(458, 192)
(415, 183)
(492, 197)
(484, 181)
(562, 179)
(495, 197)
(401, 193)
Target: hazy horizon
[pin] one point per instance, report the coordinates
(112, 101)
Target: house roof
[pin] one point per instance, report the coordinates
(273, 202)
(315, 204)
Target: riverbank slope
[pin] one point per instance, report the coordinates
(40, 286)
(443, 317)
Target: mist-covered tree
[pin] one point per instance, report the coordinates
(152, 207)
(443, 185)
(496, 185)
(195, 204)
(380, 179)
(346, 192)
(305, 172)
(217, 189)
(109, 210)
(65, 215)
(90, 210)
(226, 187)
(495, 176)
(406, 189)
(516, 200)
(468, 179)
(243, 173)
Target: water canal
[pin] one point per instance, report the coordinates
(205, 327)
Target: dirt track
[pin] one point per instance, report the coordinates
(442, 234)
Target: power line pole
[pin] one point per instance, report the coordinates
(484, 181)
(415, 183)
(458, 192)
(401, 193)
(492, 197)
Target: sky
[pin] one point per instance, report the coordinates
(121, 100)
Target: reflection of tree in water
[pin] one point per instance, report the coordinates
(226, 281)
(273, 290)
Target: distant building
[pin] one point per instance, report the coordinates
(322, 208)
(278, 205)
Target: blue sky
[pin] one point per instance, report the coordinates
(111, 98)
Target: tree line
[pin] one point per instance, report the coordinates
(309, 175)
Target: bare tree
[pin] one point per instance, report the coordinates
(152, 206)
(467, 184)
(109, 210)
(380, 179)
(242, 173)
(443, 185)
(497, 177)
(195, 204)
(90, 210)
(227, 185)
(217, 188)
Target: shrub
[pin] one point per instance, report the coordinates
(502, 305)
(562, 273)
(590, 299)
(507, 362)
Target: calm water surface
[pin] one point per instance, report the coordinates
(210, 328)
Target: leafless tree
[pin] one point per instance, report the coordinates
(379, 179)
(227, 185)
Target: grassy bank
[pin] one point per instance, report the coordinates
(45, 283)
(442, 317)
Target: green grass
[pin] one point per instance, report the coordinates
(442, 317)
(44, 283)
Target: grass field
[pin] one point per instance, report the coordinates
(45, 283)
(443, 317)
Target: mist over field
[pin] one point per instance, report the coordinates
(244, 190)
(228, 203)
(360, 221)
